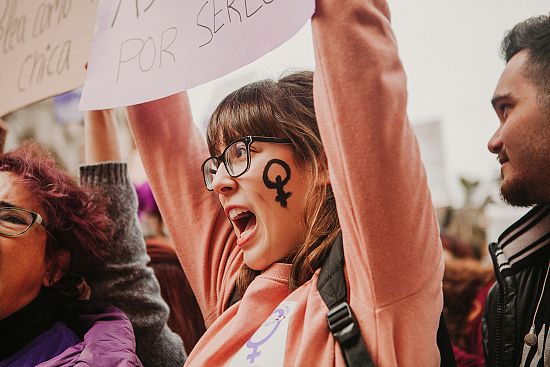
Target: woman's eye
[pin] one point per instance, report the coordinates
(13, 220)
(212, 171)
(241, 152)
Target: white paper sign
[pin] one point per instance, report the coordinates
(44, 45)
(430, 140)
(147, 49)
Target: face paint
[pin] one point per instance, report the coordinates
(279, 181)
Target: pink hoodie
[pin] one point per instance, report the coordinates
(391, 241)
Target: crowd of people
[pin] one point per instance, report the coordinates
(296, 176)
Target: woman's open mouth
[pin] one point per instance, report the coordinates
(244, 223)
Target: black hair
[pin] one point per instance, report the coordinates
(532, 35)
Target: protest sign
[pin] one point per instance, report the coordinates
(147, 49)
(44, 46)
(430, 141)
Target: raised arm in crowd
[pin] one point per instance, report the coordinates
(292, 163)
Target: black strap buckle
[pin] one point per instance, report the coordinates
(341, 322)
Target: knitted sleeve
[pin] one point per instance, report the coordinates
(124, 279)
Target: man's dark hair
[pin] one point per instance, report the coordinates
(533, 35)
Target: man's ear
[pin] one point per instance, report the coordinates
(56, 267)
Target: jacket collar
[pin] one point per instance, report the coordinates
(524, 242)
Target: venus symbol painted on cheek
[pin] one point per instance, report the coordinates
(279, 182)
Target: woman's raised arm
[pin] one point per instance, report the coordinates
(390, 232)
(123, 279)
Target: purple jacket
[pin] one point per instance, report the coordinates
(108, 341)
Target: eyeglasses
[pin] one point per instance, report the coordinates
(16, 221)
(236, 158)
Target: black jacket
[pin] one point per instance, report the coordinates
(521, 260)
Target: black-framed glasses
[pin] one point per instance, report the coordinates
(236, 158)
(15, 221)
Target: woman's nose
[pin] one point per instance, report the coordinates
(223, 183)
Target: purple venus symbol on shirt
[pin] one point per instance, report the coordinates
(274, 321)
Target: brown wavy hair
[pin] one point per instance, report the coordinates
(284, 108)
(463, 279)
(76, 216)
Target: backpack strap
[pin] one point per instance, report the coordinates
(341, 321)
(333, 289)
(444, 345)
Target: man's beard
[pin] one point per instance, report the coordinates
(519, 193)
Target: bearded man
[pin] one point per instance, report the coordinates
(517, 314)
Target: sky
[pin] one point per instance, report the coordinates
(450, 51)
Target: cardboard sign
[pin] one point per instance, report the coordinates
(147, 49)
(44, 46)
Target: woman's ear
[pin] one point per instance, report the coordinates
(55, 268)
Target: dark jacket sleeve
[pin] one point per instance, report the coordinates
(124, 279)
(486, 325)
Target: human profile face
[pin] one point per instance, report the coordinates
(266, 219)
(23, 265)
(521, 140)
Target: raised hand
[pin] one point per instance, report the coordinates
(101, 137)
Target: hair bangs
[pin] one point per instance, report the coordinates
(251, 110)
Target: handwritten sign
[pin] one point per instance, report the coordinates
(44, 46)
(147, 49)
